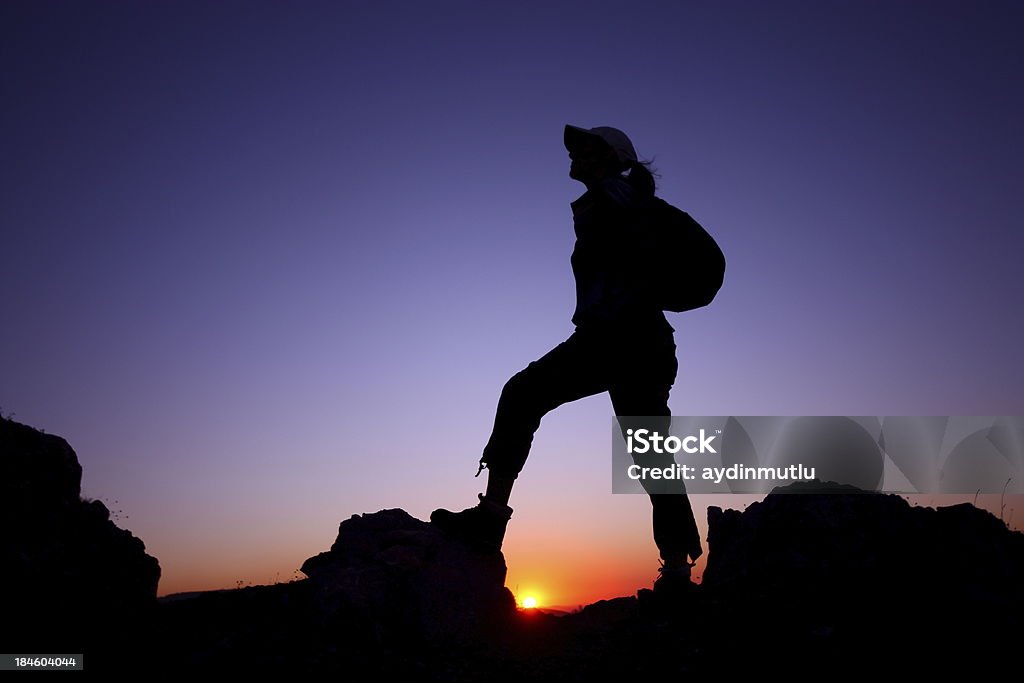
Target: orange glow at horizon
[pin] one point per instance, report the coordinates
(570, 555)
(587, 554)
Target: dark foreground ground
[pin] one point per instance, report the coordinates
(817, 581)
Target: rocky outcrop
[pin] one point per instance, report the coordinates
(402, 575)
(392, 598)
(71, 577)
(857, 573)
(812, 539)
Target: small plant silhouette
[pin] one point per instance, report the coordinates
(1002, 504)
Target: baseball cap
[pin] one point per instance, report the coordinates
(613, 137)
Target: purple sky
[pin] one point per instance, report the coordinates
(267, 265)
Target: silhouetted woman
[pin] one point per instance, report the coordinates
(622, 344)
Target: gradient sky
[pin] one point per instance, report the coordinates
(268, 265)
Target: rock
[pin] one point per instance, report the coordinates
(71, 577)
(404, 577)
(836, 567)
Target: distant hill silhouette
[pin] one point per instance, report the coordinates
(808, 583)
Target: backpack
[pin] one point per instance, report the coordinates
(688, 265)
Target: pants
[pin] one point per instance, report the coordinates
(637, 368)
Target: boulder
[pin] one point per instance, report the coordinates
(404, 576)
(71, 577)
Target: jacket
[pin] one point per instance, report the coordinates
(613, 283)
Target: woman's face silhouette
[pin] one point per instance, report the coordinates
(592, 160)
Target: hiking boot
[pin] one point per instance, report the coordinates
(481, 527)
(674, 581)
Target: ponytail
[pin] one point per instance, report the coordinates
(641, 177)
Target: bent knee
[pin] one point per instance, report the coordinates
(520, 386)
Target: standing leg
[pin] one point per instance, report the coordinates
(640, 387)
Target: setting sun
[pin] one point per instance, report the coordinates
(530, 602)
